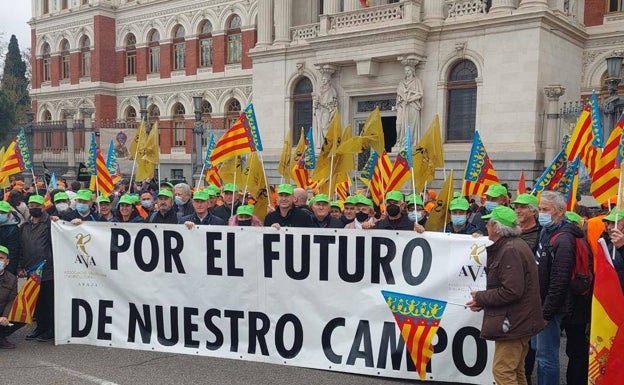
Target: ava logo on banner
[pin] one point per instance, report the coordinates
(371, 302)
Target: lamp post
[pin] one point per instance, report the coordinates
(198, 130)
(143, 107)
(613, 105)
(30, 117)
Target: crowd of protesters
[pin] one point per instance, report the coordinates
(529, 267)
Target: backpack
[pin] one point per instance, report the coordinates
(582, 278)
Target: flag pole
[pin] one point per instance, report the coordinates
(234, 183)
(201, 176)
(266, 180)
(619, 199)
(135, 155)
(32, 170)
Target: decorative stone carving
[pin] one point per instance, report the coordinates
(554, 91)
(325, 102)
(409, 101)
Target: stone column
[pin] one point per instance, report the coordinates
(433, 12)
(283, 20)
(265, 23)
(331, 6)
(541, 4)
(71, 147)
(502, 6)
(351, 5)
(552, 144)
(88, 127)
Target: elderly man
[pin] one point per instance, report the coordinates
(496, 195)
(364, 214)
(165, 213)
(556, 256)
(321, 217)
(182, 199)
(300, 199)
(287, 215)
(396, 218)
(105, 209)
(511, 300)
(8, 292)
(82, 212)
(230, 202)
(201, 214)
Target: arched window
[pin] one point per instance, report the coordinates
(461, 102)
(131, 53)
(65, 59)
(179, 132)
(302, 108)
(47, 60)
(85, 56)
(206, 118)
(205, 44)
(46, 116)
(178, 47)
(154, 51)
(232, 112)
(130, 114)
(153, 113)
(234, 40)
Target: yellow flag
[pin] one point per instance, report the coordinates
(229, 167)
(333, 137)
(373, 132)
(438, 216)
(253, 175)
(283, 168)
(151, 152)
(428, 155)
(301, 146)
(262, 204)
(139, 140)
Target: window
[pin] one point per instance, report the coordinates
(302, 108)
(85, 56)
(205, 44)
(178, 48)
(130, 114)
(233, 111)
(65, 60)
(461, 102)
(63, 4)
(154, 52)
(615, 5)
(45, 50)
(179, 132)
(206, 118)
(46, 116)
(131, 53)
(46, 7)
(234, 40)
(177, 174)
(153, 113)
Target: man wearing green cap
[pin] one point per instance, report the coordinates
(364, 213)
(320, 211)
(245, 217)
(201, 213)
(231, 201)
(61, 207)
(348, 210)
(496, 195)
(511, 301)
(396, 218)
(335, 210)
(36, 245)
(8, 292)
(9, 234)
(165, 213)
(286, 214)
(614, 237)
(416, 209)
(83, 211)
(459, 208)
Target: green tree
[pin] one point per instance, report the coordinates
(14, 81)
(7, 117)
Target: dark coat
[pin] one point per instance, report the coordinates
(36, 242)
(479, 222)
(8, 292)
(294, 218)
(512, 291)
(531, 236)
(186, 209)
(402, 223)
(171, 217)
(469, 228)
(10, 238)
(207, 220)
(224, 212)
(328, 222)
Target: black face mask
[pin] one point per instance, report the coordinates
(393, 210)
(35, 212)
(245, 223)
(361, 216)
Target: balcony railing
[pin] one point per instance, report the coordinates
(461, 8)
(304, 32)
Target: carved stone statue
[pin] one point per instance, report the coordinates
(325, 103)
(409, 102)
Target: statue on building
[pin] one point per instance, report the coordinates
(325, 103)
(408, 102)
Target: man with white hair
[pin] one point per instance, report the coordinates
(182, 199)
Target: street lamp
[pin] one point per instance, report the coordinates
(197, 137)
(613, 105)
(143, 107)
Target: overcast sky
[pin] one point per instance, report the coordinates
(13, 17)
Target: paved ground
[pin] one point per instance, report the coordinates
(43, 363)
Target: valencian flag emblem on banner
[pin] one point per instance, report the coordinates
(418, 319)
(23, 307)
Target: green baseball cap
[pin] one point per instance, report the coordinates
(351, 200)
(61, 196)
(394, 196)
(5, 207)
(457, 194)
(526, 199)
(167, 184)
(335, 204)
(102, 199)
(503, 215)
(4, 250)
(36, 199)
(615, 214)
(84, 195)
(573, 217)
(165, 193)
(459, 204)
(245, 210)
(415, 199)
(320, 198)
(230, 187)
(285, 188)
(362, 200)
(213, 191)
(126, 199)
(496, 190)
(201, 195)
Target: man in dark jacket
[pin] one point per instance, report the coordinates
(396, 218)
(165, 213)
(496, 195)
(230, 202)
(287, 215)
(182, 199)
(201, 215)
(556, 258)
(9, 234)
(8, 292)
(459, 208)
(321, 217)
(511, 300)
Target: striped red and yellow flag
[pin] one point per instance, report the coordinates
(212, 176)
(582, 136)
(237, 140)
(400, 174)
(381, 176)
(25, 302)
(479, 170)
(342, 190)
(606, 177)
(12, 162)
(105, 182)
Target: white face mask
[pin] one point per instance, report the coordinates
(60, 207)
(1, 266)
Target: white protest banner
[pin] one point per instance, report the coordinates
(328, 299)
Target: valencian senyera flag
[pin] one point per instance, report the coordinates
(479, 170)
(242, 138)
(418, 318)
(606, 178)
(23, 307)
(16, 157)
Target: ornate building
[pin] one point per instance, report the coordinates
(504, 67)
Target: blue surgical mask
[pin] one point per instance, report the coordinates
(490, 205)
(147, 204)
(82, 208)
(178, 200)
(458, 220)
(1, 265)
(4, 218)
(413, 216)
(544, 219)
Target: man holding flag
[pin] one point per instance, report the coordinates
(8, 292)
